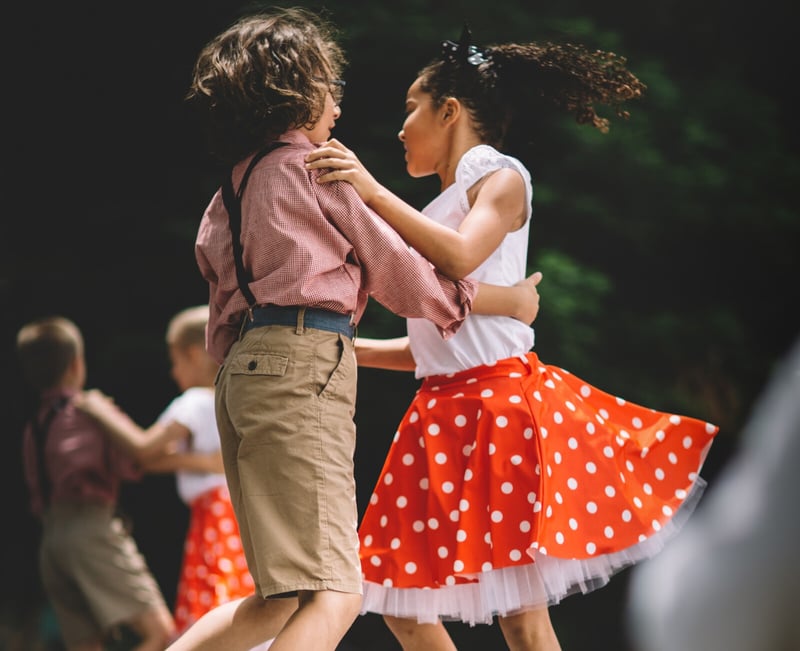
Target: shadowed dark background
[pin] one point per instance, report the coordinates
(669, 246)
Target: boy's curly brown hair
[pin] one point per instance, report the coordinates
(266, 74)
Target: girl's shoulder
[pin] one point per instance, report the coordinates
(482, 159)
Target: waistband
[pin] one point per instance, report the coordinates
(300, 317)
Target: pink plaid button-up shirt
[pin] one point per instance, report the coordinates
(315, 245)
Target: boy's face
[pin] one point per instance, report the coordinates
(184, 366)
(321, 131)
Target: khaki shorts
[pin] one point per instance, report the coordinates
(93, 572)
(285, 401)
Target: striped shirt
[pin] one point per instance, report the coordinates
(315, 245)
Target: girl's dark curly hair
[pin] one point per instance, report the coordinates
(264, 75)
(503, 86)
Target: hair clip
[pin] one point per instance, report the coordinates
(457, 53)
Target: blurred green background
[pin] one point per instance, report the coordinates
(669, 246)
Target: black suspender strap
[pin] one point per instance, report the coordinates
(233, 204)
(40, 429)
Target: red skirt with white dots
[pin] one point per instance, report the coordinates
(214, 568)
(508, 487)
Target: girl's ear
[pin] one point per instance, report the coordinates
(450, 111)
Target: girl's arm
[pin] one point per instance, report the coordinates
(498, 207)
(140, 443)
(390, 354)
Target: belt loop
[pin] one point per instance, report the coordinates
(241, 327)
(301, 313)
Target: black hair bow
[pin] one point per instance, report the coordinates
(461, 52)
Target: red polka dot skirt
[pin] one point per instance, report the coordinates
(509, 487)
(214, 568)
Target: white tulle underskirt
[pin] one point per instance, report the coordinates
(511, 590)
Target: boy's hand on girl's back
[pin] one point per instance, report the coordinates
(94, 401)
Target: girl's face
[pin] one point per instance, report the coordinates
(321, 131)
(184, 363)
(422, 133)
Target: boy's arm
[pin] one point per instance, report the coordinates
(390, 354)
(520, 301)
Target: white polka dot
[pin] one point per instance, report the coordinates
(531, 497)
(608, 532)
(644, 452)
(440, 458)
(373, 499)
(573, 524)
(442, 552)
(537, 506)
(556, 376)
(401, 502)
(408, 459)
(507, 487)
(599, 419)
(492, 448)
(384, 521)
(388, 478)
(448, 487)
(418, 526)
(455, 516)
(558, 418)
(585, 391)
(637, 502)
(636, 422)
(590, 428)
(610, 491)
(557, 458)
(608, 452)
(687, 442)
(525, 526)
(548, 511)
(569, 405)
(549, 470)
(673, 458)
(501, 422)
(433, 523)
(666, 510)
(431, 403)
(528, 433)
(680, 494)
(626, 515)
(411, 567)
(543, 432)
(515, 554)
(591, 548)
(414, 417)
(559, 538)
(458, 566)
(486, 567)
(572, 483)
(467, 474)
(710, 429)
(487, 393)
(656, 525)
(460, 420)
(515, 399)
(463, 505)
(659, 473)
(421, 442)
(591, 468)
(516, 459)
(629, 465)
(395, 544)
(550, 384)
(620, 401)
(497, 516)
(537, 395)
(675, 420)
(461, 535)
(660, 435)
(620, 440)
(375, 560)
(647, 488)
(591, 507)
(487, 538)
(603, 414)
(368, 541)
(558, 498)
(433, 429)
(424, 483)
(450, 580)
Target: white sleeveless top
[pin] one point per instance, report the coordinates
(481, 339)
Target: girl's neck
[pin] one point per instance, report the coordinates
(463, 140)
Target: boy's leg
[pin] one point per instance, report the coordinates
(320, 622)
(529, 631)
(237, 625)
(155, 628)
(414, 636)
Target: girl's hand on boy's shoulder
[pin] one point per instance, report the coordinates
(344, 165)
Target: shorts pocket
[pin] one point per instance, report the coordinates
(258, 364)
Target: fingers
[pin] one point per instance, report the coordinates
(535, 277)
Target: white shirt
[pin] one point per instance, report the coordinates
(194, 409)
(482, 339)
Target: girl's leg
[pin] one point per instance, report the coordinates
(529, 631)
(414, 636)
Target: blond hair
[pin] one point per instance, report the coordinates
(188, 327)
